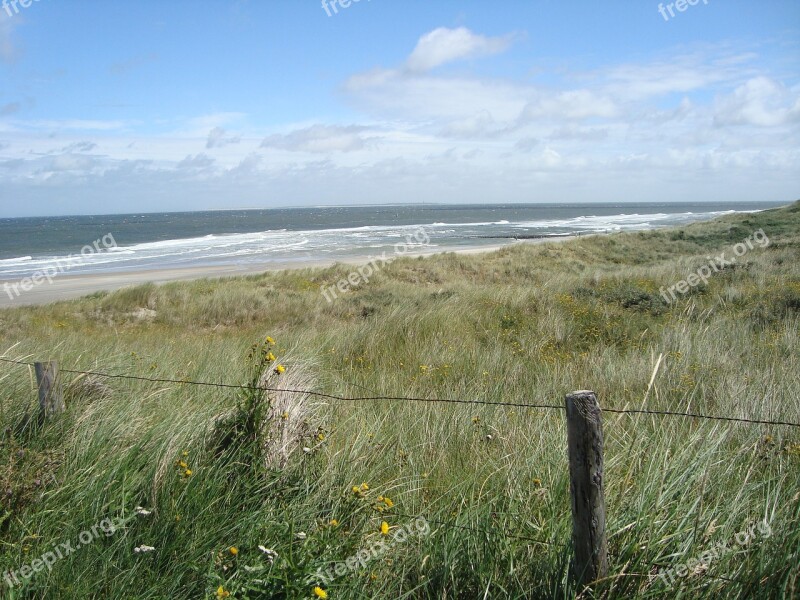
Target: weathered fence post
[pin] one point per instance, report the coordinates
(51, 394)
(585, 441)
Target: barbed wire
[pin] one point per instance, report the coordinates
(479, 530)
(412, 399)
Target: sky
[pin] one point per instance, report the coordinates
(171, 105)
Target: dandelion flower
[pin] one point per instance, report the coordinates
(388, 502)
(182, 464)
(222, 593)
(384, 528)
(270, 357)
(188, 472)
(320, 593)
(270, 340)
(364, 487)
(233, 550)
(280, 369)
(334, 522)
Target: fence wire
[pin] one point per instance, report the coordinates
(660, 413)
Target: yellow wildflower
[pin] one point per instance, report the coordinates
(182, 464)
(364, 487)
(384, 528)
(320, 593)
(285, 416)
(270, 357)
(270, 340)
(222, 593)
(388, 502)
(233, 550)
(334, 522)
(280, 369)
(188, 472)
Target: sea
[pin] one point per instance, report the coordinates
(285, 236)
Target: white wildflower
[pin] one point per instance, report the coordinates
(269, 553)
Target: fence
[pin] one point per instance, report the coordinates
(584, 448)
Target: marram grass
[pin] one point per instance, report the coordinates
(263, 496)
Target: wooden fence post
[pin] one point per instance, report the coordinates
(51, 394)
(585, 442)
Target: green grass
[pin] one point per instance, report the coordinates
(525, 324)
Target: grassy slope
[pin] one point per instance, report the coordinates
(524, 324)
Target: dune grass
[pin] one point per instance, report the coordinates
(525, 324)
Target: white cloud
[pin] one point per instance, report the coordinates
(762, 102)
(418, 98)
(576, 104)
(571, 132)
(479, 125)
(708, 124)
(218, 138)
(80, 147)
(199, 162)
(444, 45)
(318, 139)
(77, 124)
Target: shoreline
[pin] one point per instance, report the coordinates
(71, 287)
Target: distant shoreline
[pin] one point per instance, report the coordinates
(70, 287)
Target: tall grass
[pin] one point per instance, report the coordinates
(525, 324)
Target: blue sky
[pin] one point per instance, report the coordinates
(186, 105)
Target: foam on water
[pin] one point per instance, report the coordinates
(283, 244)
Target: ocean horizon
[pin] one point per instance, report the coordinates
(247, 237)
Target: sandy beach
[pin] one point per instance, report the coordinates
(68, 287)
